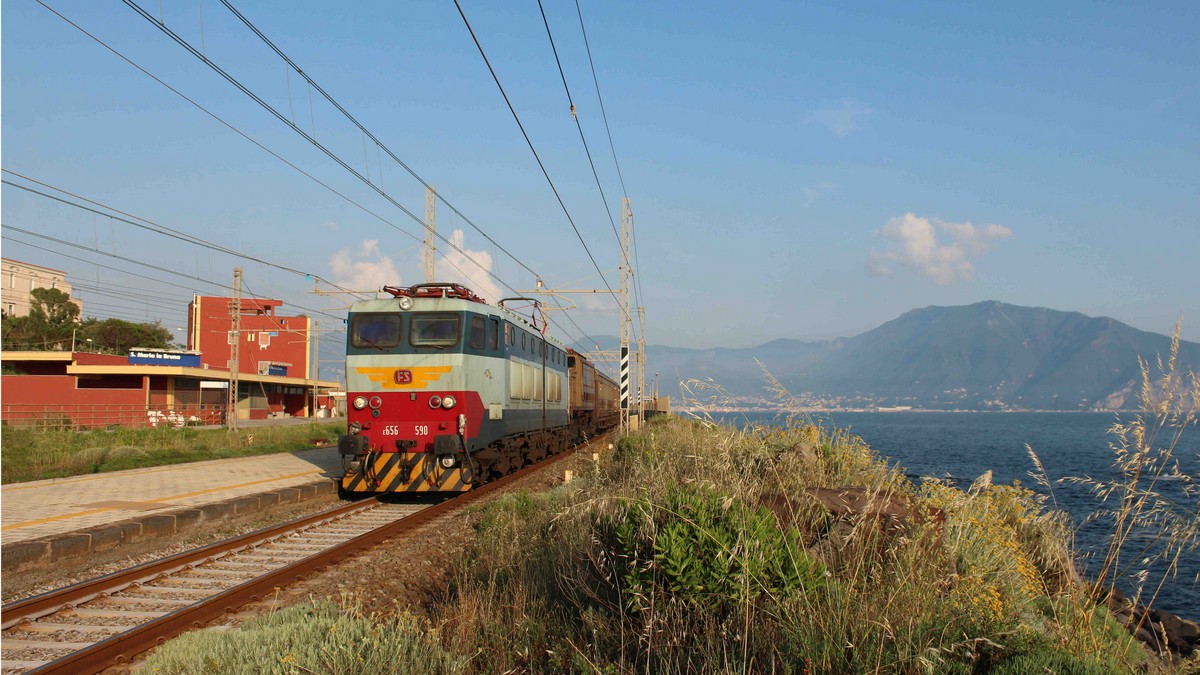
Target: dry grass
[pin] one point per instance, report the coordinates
(315, 638)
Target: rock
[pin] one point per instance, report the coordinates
(891, 512)
(1161, 631)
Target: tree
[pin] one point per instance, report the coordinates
(52, 317)
(120, 336)
(53, 307)
(53, 323)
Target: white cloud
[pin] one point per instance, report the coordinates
(330, 225)
(453, 266)
(364, 268)
(916, 245)
(842, 119)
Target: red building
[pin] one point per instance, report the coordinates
(151, 387)
(270, 344)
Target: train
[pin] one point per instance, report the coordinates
(446, 391)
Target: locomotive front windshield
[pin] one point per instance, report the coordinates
(381, 331)
(434, 330)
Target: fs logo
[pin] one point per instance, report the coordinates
(404, 377)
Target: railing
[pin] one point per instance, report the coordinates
(72, 416)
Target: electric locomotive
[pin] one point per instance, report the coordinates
(445, 391)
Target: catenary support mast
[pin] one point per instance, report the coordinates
(626, 317)
(430, 225)
(235, 343)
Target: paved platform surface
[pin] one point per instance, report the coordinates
(60, 506)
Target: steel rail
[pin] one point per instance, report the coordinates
(123, 647)
(52, 601)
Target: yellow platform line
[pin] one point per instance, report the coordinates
(80, 514)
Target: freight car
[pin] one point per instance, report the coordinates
(595, 399)
(446, 391)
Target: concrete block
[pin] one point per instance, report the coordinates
(326, 487)
(106, 537)
(217, 511)
(267, 500)
(307, 492)
(188, 519)
(69, 546)
(131, 530)
(24, 554)
(244, 505)
(288, 495)
(160, 525)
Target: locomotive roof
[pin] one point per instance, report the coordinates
(456, 298)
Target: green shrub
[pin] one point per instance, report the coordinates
(704, 549)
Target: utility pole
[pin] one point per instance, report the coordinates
(430, 244)
(641, 366)
(235, 343)
(626, 317)
(316, 340)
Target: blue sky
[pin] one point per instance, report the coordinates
(796, 170)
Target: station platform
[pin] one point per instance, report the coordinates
(50, 520)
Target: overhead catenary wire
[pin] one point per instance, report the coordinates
(582, 138)
(159, 24)
(379, 145)
(587, 150)
(156, 227)
(612, 146)
(532, 149)
(92, 262)
(236, 130)
(308, 137)
(367, 133)
(220, 285)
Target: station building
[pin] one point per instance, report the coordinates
(191, 386)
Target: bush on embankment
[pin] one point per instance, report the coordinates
(661, 561)
(33, 454)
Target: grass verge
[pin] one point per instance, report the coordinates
(34, 454)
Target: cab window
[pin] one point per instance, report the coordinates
(381, 331)
(478, 332)
(434, 330)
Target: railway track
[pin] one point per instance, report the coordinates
(102, 622)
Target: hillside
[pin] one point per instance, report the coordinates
(984, 356)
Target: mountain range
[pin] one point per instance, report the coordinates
(984, 356)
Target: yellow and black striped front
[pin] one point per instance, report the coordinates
(404, 472)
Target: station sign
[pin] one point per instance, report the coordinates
(162, 357)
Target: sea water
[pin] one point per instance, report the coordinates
(962, 446)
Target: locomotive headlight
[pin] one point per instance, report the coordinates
(375, 402)
(435, 401)
(447, 461)
(360, 402)
(355, 427)
(406, 303)
(448, 402)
